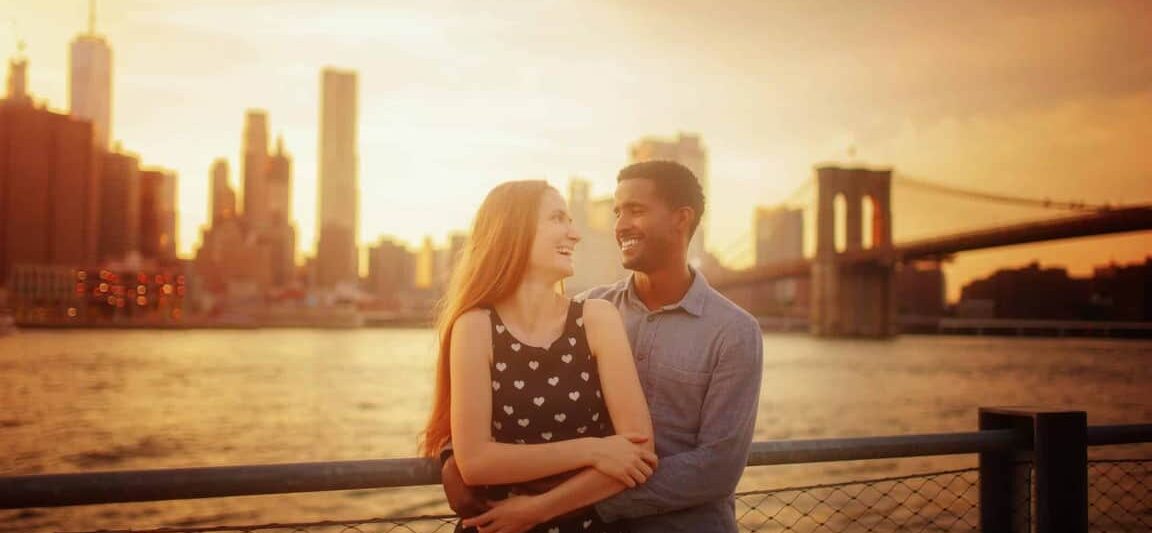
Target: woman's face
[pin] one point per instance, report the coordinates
(556, 238)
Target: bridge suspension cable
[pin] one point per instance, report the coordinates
(1000, 198)
(796, 196)
(734, 249)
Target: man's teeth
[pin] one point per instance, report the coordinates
(564, 250)
(628, 243)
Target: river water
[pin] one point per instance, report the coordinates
(73, 401)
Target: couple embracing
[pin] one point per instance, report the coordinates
(627, 408)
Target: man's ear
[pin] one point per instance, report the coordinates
(685, 217)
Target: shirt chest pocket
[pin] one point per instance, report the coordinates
(678, 396)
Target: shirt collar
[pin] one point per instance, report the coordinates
(692, 302)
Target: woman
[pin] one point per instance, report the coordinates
(529, 383)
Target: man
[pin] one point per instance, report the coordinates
(699, 358)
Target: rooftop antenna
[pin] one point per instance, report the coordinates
(20, 44)
(91, 17)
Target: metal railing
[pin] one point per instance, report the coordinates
(1033, 471)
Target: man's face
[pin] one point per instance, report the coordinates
(648, 231)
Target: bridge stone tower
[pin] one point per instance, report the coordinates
(853, 298)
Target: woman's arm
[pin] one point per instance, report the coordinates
(618, 378)
(483, 461)
(629, 411)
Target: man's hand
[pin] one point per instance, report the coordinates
(513, 515)
(463, 499)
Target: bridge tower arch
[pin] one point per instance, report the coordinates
(852, 299)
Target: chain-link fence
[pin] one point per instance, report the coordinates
(940, 501)
(1120, 495)
(1120, 499)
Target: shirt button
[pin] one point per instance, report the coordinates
(651, 317)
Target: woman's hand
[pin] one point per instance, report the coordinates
(623, 458)
(513, 515)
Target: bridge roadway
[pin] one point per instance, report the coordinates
(1104, 222)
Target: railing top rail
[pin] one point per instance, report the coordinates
(862, 448)
(54, 490)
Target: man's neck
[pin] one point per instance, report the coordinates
(658, 288)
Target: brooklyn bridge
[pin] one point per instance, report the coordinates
(850, 276)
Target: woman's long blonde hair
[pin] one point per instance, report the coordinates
(490, 269)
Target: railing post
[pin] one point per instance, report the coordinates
(1003, 481)
(1056, 443)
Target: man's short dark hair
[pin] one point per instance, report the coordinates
(675, 183)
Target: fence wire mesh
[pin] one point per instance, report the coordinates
(1120, 495)
(941, 501)
(1119, 499)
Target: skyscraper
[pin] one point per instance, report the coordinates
(278, 182)
(779, 234)
(255, 161)
(687, 150)
(337, 257)
(597, 256)
(48, 184)
(18, 77)
(223, 196)
(91, 80)
(158, 215)
(280, 234)
(119, 206)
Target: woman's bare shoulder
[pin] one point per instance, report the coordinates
(473, 324)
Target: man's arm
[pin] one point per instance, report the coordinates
(727, 419)
(463, 499)
(707, 473)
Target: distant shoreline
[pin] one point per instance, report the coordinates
(945, 326)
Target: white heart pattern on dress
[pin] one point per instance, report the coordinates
(500, 328)
(580, 322)
(495, 385)
(575, 395)
(539, 400)
(572, 341)
(547, 435)
(523, 422)
(554, 530)
(581, 429)
(598, 393)
(497, 424)
(560, 417)
(553, 380)
(501, 366)
(587, 524)
(519, 384)
(567, 358)
(508, 410)
(533, 365)
(584, 376)
(515, 346)
(596, 417)
(519, 441)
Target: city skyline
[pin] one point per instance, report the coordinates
(425, 125)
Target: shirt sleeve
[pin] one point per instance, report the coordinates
(445, 452)
(710, 471)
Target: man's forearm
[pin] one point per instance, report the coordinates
(684, 480)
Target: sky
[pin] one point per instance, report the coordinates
(1035, 98)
